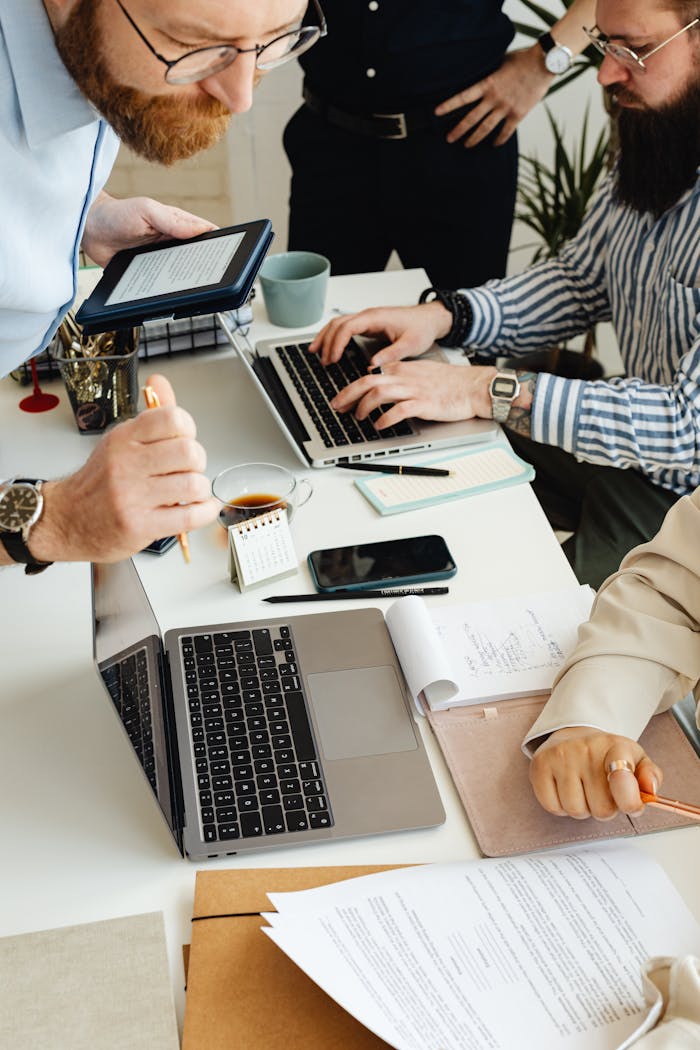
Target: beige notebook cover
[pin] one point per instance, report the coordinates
(97, 986)
(243, 993)
(481, 745)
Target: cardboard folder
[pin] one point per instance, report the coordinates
(481, 746)
(243, 993)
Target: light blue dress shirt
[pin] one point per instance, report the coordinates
(56, 155)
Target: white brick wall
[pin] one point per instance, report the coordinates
(200, 184)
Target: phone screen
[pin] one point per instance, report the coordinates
(410, 560)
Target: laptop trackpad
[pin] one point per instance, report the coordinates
(361, 712)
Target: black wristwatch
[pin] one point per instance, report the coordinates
(21, 505)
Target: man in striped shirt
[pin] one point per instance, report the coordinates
(611, 456)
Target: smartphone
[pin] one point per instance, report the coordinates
(389, 563)
(161, 546)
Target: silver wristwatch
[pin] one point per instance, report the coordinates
(557, 57)
(504, 389)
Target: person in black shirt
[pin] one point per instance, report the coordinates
(394, 147)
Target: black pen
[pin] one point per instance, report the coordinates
(341, 596)
(398, 468)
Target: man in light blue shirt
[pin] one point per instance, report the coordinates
(77, 76)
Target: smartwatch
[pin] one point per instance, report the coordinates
(504, 389)
(21, 506)
(557, 57)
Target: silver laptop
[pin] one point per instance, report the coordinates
(298, 390)
(263, 734)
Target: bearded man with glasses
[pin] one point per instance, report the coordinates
(611, 457)
(79, 76)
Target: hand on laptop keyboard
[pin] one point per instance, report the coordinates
(410, 331)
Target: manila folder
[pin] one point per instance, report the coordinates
(243, 993)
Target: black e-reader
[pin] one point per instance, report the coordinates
(179, 278)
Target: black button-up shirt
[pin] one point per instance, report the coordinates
(390, 55)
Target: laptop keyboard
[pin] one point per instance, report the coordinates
(317, 386)
(256, 766)
(127, 683)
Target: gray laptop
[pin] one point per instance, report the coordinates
(269, 733)
(298, 390)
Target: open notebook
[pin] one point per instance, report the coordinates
(484, 696)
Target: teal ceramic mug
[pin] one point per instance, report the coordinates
(294, 288)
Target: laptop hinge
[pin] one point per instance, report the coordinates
(176, 797)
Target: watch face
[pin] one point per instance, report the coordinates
(18, 507)
(504, 386)
(558, 60)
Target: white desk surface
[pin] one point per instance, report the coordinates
(82, 837)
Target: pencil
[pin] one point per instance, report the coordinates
(398, 468)
(341, 596)
(153, 402)
(684, 809)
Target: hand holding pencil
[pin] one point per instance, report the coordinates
(174, 442)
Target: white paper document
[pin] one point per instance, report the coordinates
(454, 655)
(543, 951)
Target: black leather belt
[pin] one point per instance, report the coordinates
(374, 125)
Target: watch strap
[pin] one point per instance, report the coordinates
(462, 315)
(14, 543)
(546, 42)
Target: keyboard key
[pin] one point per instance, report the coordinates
(230, 831)
(292, 802)
(301, 730)
(273, 820)
(225, 814)
(251, 824)
(290, 787)
(320, 820)
(316, 803)
(297, 821)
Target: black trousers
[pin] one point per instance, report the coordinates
(446, 208)
(609, 510)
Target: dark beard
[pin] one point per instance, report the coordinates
(163, 128)
(659, 153)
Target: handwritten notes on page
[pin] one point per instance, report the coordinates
(454, 655)
(542, 952)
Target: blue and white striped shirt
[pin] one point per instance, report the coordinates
(644, 276)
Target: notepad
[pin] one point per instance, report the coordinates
(474, 472)
(456, 655)
(261, 549)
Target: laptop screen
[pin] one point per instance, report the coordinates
(128, 652)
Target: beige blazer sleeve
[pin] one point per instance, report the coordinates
(640, 651)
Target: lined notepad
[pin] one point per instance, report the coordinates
(473, 472)
(261, 549)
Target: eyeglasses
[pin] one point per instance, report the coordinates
(207, 61)
(626, 55)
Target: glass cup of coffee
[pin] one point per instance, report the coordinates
(250, 489)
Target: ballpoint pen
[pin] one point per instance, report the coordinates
(683, 809)
(341, 596)
(398, 468)
(152, 402)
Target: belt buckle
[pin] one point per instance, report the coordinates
(400, 118)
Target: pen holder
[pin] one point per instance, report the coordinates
(102, 386)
